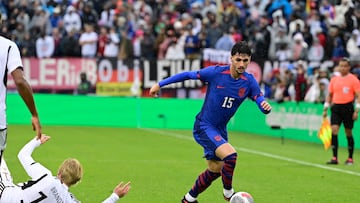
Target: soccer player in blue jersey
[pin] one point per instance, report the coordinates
(227, 87)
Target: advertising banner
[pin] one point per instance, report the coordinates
(56, 73)
(118, 78)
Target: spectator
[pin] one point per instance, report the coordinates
(300, 83)
(192, 45)
(174, 51)
(112, 44)
(102, 40)
(45, 46)
(19, 31)
(107, 15)
(126, 50)
(72, 20)
(85, 86)
(40, 21)
(299, 48)
(24, 19)
(225, 42)
(213, 27)
(352, 46)
(317, 92)
(88, 41)
(56, 17)
(89, 15)
(139, 36)
(57, 37)
(27, 46)
(280, 41)
(70, 45)
(339, 50)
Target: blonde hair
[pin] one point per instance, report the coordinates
(70, 172)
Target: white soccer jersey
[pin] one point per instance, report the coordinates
(43, 186)
(9, 60)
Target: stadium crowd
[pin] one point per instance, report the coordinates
(282, 30)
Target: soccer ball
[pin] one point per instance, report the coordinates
(242, 197)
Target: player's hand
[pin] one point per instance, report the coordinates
(122, 189)
(44, 138)
(355, 116)
(324, 113)
(36, 126)
(154, 91)
(266, 106)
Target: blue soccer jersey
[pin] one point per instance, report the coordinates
(223, 97)
(225, 94)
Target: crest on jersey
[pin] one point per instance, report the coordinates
(242, 92)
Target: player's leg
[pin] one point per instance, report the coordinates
(204, 180)
(348, 125)
(335, 120)
(209, 139)
(3, 135)
(351, 143)
(227, 153)
(5, 175)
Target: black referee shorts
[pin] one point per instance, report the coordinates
(342, 113)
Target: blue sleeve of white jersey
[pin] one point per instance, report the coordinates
(180, 77)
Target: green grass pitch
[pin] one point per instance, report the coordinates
(163, 164)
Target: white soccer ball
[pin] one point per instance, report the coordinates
(242, 197)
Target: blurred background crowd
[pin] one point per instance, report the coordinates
(281, 30)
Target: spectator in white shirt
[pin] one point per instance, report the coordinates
(352, 46)
(112, 46)
(45, 46)
(88, 42)
(72, 20)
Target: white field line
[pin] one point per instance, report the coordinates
(180, 136)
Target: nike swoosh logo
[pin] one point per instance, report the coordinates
(220, 87)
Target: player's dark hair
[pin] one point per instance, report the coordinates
(241, 48)
(345, 59)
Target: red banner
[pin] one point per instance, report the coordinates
(56, 73)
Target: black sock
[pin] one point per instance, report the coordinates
(334, 144)
(351, 143)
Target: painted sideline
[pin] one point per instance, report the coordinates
(180, 136)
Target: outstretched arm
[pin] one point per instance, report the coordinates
(263, 105)
(187, 75)
(119, 191)
(26, 93)
(33, 168)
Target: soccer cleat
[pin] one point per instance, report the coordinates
(333, 161)
(349, 161)
(185, 201)
(228, 199)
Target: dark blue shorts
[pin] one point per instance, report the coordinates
(210, 139)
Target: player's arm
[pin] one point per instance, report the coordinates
(257, 96)
(327, 103)
(187, 75)
(33, 168)
(119, 191)
(263, 105)
(26, 93)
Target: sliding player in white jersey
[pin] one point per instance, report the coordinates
(43, 186)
